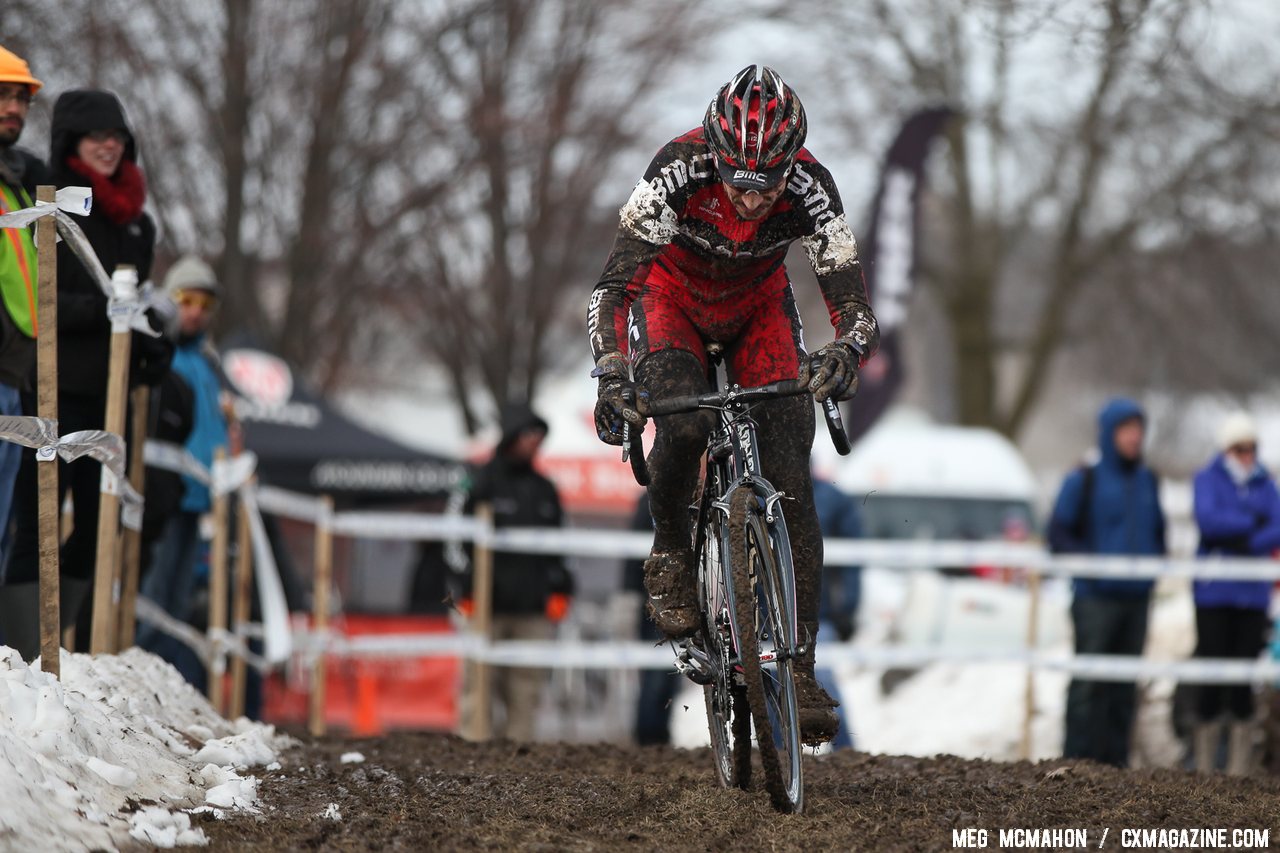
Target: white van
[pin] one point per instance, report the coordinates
(916, 479)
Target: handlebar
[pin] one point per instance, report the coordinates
(633, 448)
(718, 399)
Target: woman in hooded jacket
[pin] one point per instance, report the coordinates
(91, 144)
(1237, 509)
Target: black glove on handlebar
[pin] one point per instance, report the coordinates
(615, 400)
(832, 372)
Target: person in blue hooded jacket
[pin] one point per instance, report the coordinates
(1237, 509)
(1110, 507)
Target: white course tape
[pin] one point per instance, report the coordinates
(173, 457)
(29, 432)
(77, 200)
(277, 641)
(288, 504)
(641, 655)
(223, 642)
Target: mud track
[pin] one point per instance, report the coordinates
(436, 792)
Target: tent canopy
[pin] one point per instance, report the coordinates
(303, 444)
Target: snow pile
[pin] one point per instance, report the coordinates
(116, 750)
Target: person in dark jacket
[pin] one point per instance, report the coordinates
(658, 687)
(1111, 507)
(838, 518)
(530, 591)
(91, 145)
(1237, 509)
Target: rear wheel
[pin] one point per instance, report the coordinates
(764, 630)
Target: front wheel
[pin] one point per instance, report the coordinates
(728, 717)
(764, 632)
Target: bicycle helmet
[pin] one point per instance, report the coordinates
(755, 126)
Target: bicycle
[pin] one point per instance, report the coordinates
(743, 653)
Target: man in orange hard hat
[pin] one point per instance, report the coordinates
(20, 172)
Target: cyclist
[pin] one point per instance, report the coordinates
(699, 259)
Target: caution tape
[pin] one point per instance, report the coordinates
(207, 647)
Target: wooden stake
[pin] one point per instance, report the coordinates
(479, 725)
(131, 558)
(47, 407)
(240, 610)
(218, 588)
(106, 584)
(323, 577)
(1033, 633)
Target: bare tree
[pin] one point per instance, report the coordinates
(1091, 134)
(540, 97)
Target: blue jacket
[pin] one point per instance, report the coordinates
(1124, 509)
(1242, 521)
(209, 427)
(838, 518)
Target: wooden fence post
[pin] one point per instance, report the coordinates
(131, 557)
(478, 725)
(103, 634)
(1033, 634)
(218, 586)
(47, 407)
(240, 611)
(323, 577)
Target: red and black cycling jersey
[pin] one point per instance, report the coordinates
(680, 218)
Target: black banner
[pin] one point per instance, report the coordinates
(889, 252)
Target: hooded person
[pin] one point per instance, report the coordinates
(530, 591)
(91, 144)
(1110, 507)
(1237, 510)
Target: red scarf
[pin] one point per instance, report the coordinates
(121, 196)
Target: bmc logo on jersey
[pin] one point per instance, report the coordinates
(749, 176)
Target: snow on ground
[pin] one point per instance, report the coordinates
(976, 710)
(122, 747)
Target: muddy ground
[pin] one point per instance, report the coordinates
(437, 792)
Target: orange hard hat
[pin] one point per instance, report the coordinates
(14, 69)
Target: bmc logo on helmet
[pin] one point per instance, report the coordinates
(749, 176)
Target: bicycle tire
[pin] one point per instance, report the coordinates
(754, 593)
(728, 715)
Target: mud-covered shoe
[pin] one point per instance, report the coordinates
(673, 599)
(817, 710)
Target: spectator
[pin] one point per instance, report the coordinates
(1237, 510)
(838, 517)
(658, 687)
(1112, 507)
(90, 143)
(171, 581)
(20, 172)
(530, 591)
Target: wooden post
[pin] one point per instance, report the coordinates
(218, 587)
(240, 610)
(47, 407)
(1033, 632)
(131, 558)
(102, 638)
(479, 724)
(323, 577)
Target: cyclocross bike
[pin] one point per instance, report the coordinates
(744, 652)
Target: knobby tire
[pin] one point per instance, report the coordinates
(742, 504)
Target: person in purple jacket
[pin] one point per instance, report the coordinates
(1237, 509)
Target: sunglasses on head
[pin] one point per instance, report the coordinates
(197, 299)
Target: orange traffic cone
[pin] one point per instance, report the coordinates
(364, 722)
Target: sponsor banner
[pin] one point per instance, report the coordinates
(889, 253)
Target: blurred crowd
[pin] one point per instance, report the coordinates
(92, 144)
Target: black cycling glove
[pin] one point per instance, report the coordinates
(615, 399)
(832, 372)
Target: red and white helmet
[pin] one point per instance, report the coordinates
(755, 126)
